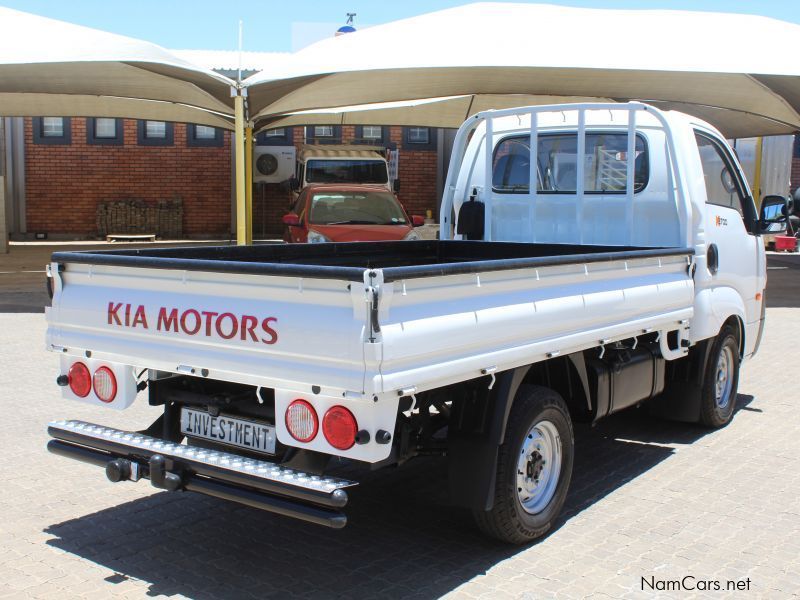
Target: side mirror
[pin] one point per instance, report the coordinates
(774, 214)
(294, 183)
(417, 220)
(292, 220)
(396, 186)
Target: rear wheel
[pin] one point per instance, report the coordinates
(534, 467)
(721, 382)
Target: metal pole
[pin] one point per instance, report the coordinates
(757, 171)
(3, 217)
(238, 140)
(248, 181)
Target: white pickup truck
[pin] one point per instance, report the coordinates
(631, 273)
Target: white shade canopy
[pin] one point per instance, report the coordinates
(53, 68)
(738, 72)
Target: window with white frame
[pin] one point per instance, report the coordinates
(204, 132)
(323, 131)
(372, 132)
(155, 130)
(418, 135)
(104, 131)
(52, 130)
(279, 132)
(53, 127)
(105, 128)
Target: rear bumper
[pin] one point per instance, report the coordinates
(130, 456)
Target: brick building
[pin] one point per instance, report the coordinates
(73, 168)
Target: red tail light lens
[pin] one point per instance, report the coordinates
(339, 427)
(105, 384)
(80, 380)
(301, 421)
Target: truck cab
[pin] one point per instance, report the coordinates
(341, 164)
(674, 182)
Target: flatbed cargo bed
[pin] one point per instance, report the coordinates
(398, 260)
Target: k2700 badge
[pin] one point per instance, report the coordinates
(190, 321)
(721, 221)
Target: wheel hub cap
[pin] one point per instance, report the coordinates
(538, 467)
(724, 381)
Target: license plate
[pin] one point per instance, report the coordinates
(232, 431)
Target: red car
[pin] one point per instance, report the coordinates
(348, 213)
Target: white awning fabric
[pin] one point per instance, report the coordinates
(738, 72)
(53, 68)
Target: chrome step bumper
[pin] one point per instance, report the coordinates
(262, 484)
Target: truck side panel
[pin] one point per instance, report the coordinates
(438, 331)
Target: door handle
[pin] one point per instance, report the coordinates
(712, 259)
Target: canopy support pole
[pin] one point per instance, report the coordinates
(757, 172)
(238, 140)
(248, 180)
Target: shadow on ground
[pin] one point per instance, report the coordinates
(403, 538)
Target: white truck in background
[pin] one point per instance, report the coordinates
(632, 272)
(342, 163)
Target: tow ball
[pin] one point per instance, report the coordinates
(122, 469)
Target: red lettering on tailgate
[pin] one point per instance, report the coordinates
(249, 325)
(273, 335)
(113, 317)
(197, 321)
(234, 328)
(167, 322)
(140, 318)
(226, 326)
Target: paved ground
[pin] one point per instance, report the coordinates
(650, 499)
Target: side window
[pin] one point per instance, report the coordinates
(722, 186)
(605, 164)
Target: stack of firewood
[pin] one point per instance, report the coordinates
(164, 218)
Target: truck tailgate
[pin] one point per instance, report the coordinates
(264, 330)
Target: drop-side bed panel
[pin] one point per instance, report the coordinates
(439, 330)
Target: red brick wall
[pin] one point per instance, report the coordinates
(65, 183)
(417, 175)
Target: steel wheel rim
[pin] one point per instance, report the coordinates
(723, 381)
(538, 467)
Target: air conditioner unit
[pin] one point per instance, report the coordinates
(273, 164)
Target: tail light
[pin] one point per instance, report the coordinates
(301, 421)
(80, 380)
(339, 427)
(105, 384)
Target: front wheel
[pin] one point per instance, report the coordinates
(721, 383)
(534, 467)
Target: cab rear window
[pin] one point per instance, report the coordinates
(604, 171)
(346, 171)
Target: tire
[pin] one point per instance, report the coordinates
(539, 420)
(721, 381)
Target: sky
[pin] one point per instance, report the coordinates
(269, 24)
